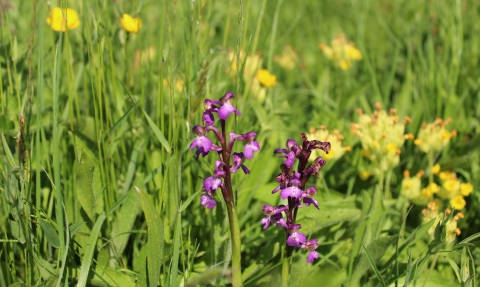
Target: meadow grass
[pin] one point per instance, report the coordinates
(98, 186)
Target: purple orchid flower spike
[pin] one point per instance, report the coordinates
(292, 187)
(274, 213)
(311, 245)
(238, 158)
(227, 108)
(308, 196)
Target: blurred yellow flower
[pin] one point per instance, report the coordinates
(335, 138)
(381, 135)
(364, 175)
(434, 137)
(341, 52)
(458, 202)
(466, 189)
(435, 169)
(411, 185)
(288, 59)
(266, 79)
(131, 24)
(62, 20)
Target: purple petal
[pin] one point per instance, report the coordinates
(226, 110)
(312, 255)
(250, 148)
(266, 222)
(268, 209)
(296, 239)
(245, 169)
(212, 183)
(203, 143)
(207, 118)
(290, 159)
(308, 200)
(279, 221)
(292, 191)
(207, 201)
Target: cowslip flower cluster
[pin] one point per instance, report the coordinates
(131, 24)
(433, 137)
(221, 178)
(382, 136)
(292, 187)
(447, 189)
(342, 52)
(337, 150)
(61, 20)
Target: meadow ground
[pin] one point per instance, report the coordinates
(103, 114)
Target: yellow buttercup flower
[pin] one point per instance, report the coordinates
(266, 79)
(131, 24)
(62, 20)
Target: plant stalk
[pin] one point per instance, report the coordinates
(236, 245)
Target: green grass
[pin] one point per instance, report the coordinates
(100, 121)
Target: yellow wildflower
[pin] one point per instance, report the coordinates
(288, 59)
(391, 147)
(446, 175)
(364, 175)
(435, 169)
(430, 190)
(466, 189)
(341, 52)
(62, 20)
(335, 139)
(381, 135)
(131, 24)
(458, 202)
(266, 79)
(410, 186)
(434, 137)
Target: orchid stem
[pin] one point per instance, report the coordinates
(236, 245)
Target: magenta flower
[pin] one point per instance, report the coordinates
(293, 190)
(207, 201)
(203, 143)
(251, 145)
(296, 239)
(238, 158)
(311, 245)
(275, 213)
(308, 196)
(227, 108)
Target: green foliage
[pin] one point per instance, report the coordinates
(98, 186)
